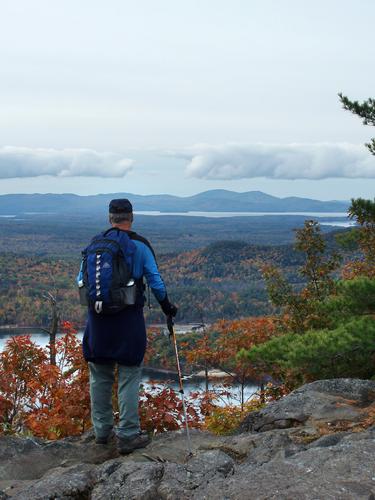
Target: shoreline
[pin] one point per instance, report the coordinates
(9, 329)
(214, 375)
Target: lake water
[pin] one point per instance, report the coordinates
(342, 216)
(210, 214)
(189, 385)
(242, 214)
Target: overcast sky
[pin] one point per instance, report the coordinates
(153, 96)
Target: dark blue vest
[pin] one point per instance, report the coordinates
(119, 337)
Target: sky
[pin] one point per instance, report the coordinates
(181, 97)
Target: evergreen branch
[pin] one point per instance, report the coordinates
(365, 110)
(371, 146)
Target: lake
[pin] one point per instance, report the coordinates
(342, 216)
(241, 214)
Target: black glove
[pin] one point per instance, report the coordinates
(168, 308)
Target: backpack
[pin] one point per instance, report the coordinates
(105, 279)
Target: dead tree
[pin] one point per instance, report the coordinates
(54, 325)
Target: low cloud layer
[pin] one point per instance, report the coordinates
(28, 162)
(279, 161)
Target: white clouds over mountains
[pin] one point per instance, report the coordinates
(222, 162)
(27, 162)
(279, 161)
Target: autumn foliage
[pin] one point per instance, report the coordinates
(52, 401)
(219, 346)
(161, 409)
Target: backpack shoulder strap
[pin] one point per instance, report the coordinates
(111, 229)
(134, 236)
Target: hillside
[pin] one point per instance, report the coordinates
(67, 234)
(222, 280)
(223, 277)
(208, 262)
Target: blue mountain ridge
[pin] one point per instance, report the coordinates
(218, 200)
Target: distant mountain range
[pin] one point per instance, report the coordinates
(218, 200)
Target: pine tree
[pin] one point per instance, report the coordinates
(363, 212)
(365, 110)
(337, 337)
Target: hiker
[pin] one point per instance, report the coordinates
(115, 333)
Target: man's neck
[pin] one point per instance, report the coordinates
(126, 226)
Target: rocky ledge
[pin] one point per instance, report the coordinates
(316, 443)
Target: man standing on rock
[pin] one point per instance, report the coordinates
(115, 333)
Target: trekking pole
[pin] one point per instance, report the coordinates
(181, 391)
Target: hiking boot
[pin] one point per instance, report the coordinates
(127, 445)
(103, 439)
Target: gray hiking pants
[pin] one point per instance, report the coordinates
(101, 382)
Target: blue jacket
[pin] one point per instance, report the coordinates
(122, 337)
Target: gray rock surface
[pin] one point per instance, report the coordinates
(130, 480)
(343, 471)
(267, 461)
(71, 482)
(319, 402)
(29, 458)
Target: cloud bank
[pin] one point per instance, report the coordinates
(278, 161)
(28, 162)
